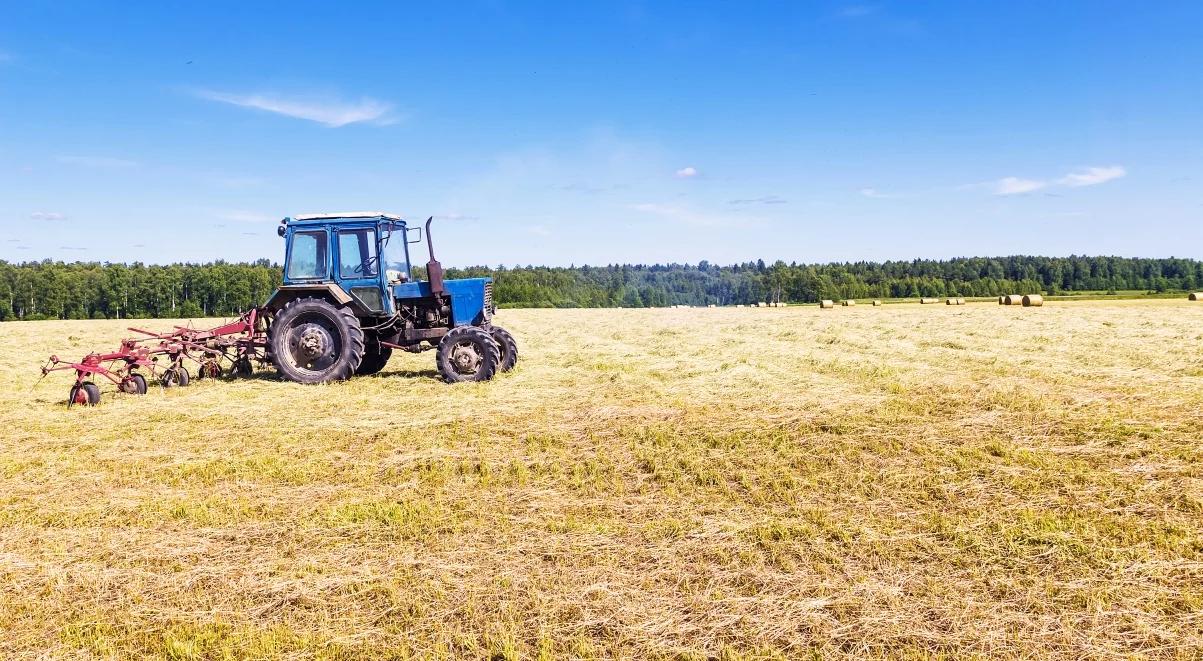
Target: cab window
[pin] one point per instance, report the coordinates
(307, 260)
(357, 254)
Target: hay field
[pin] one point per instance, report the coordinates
(904, 481)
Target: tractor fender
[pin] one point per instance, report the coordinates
(328, 291)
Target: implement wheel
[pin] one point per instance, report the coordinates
(243, 368)
(508, 346)
(467, 353)
(209, 369)
(312, 341)
(175, 376)
(134, 384)
(84, 394)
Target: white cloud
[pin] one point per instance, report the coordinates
(101, 162)
(1092, 176)
(1016, 186)
(332, 113)
(686, 173)
(47, 215)
(242, 216)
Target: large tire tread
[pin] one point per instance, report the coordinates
(508, 346)
(491, 359)
(354, 346)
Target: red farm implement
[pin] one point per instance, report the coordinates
(234, 348)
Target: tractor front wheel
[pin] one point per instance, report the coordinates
(467, 353)
(508, 346)
(312, 341)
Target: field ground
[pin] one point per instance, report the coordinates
(905, 481)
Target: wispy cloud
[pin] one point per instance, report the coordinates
(243, 216)
(767, 199)
(1016, 186)
(99, 162)
(1092, 176)
(331, 112)
(687, 172)
(47, 215)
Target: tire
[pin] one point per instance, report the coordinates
(175, 376)
(243, 368)
(84, 394)
(134, 384)
(467, 353)
(508, 346)
(209, 368)
(312, 341)
(374, 361)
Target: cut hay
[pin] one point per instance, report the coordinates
(1197, 296)
(762, 304)
(1033, 300)
(825, 304)
(876, 303)
(848, 302)
(1013, 299)
(928, 301)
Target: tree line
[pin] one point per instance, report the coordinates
(91, 290)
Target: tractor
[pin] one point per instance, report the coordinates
(349, 299)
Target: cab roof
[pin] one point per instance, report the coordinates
(347, 214)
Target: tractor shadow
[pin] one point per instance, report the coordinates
(408, 374)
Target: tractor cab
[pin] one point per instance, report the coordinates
(362, 253)
(349, 298)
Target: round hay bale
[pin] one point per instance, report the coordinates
(876, 303)
(950, 301)
(928, 301)
(1033, 301)
(848, 302)
(1002, 300)
(960, 301)
(825, 304)
(1014, 299)
(1197, 296)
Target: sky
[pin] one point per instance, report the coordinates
(565, 133)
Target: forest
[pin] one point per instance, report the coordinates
(91, 290)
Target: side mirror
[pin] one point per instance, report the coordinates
(413, 229)
(280, 229)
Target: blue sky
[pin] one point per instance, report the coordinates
(558, 133)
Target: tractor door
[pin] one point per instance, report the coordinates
(358, 268)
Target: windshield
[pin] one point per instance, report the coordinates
(394, 255)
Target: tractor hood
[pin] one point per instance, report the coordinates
(471, 298)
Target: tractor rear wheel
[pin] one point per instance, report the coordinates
(374, 361)
(508, 346)
(467, 353)
(84, 394)
(312, 341)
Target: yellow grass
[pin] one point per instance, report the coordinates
(911, 481)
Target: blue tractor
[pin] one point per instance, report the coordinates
(349, 299)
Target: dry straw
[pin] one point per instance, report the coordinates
(1002, 300)
(876, 303)
(826, 303)
(928, 301)
(1196, 296)
(1014, 299)
(848, 302)
(1033, 300)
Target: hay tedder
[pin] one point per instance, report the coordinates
(346, 302)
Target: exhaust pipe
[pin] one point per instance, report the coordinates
(434, 270)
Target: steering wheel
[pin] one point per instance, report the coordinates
(367, 266)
